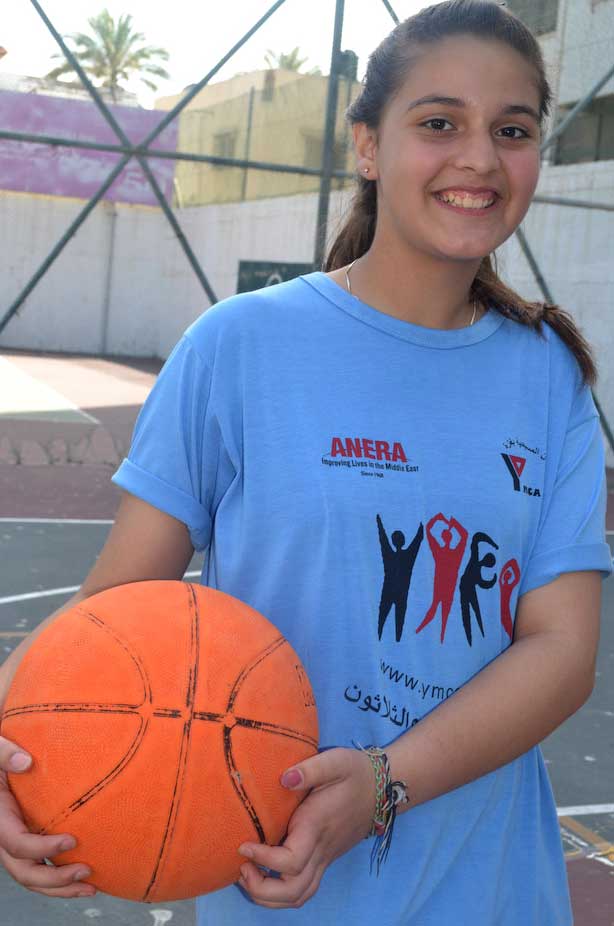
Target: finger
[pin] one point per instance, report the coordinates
(18, 841)
(12, 758)
(289, 859)
(47, 879)
(278, 893)
(321, 769)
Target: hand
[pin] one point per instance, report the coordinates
(22, 853)
(334, 817)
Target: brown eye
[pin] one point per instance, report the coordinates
(515, 128)
(436, 124)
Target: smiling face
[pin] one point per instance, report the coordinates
(456, 176)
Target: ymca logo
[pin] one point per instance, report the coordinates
(515, 466)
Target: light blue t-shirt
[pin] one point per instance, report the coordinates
(384, 493)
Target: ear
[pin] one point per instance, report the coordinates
(365, 146)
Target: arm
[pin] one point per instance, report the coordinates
(544, 676)
(144, 543)
(383, 537)
(517, 700)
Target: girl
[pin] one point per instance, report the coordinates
(399, 431)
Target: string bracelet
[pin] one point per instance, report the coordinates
(388, 794)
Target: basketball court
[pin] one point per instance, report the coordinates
(65, 423)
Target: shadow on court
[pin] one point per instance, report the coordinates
(65, 423)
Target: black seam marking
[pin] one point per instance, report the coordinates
(147, 693)
(63, 815)
(193, 667)
(280, 641)
(236, 781)
(76, 707)
(279, 731)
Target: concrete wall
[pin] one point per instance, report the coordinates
(586, 33)
(123, 286)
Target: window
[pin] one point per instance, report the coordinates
(590, 137)
(224, 145)
(539, 15)
(313, 153)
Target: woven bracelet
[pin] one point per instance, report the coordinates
(388, 794)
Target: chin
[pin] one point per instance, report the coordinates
(469, 253)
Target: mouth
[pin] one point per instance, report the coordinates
(477, 204)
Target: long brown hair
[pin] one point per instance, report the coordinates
(386, 70)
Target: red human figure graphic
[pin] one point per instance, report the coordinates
(447, 564)
(509, 577)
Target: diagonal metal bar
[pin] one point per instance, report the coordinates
(571, 115)
(524, 244)
(183, 102)
(110, 118)
(391, 11)
(528, 253)
(57, 250)
(75, 225)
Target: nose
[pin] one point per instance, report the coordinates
(477, 151)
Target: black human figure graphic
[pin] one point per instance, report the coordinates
(471, 578)
(398, 567)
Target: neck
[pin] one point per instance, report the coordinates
(415, 287)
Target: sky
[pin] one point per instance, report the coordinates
(197, 35)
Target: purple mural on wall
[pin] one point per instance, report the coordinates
(62, 171)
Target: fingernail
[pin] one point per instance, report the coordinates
(81, 873)
(246, 851)
(68, 843)
(291, 778)
(19, 761)
(86, 893)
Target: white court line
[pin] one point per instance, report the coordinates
(50, 592)
(584, 810)
(52, 521)
(29, 394)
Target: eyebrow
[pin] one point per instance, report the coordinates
(510, 109)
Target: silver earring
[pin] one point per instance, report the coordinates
(366, 170)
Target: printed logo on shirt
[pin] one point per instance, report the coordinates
(447, 541)
(515, 466)
(485, 569)
(368, 456)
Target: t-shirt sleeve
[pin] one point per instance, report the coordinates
(177, 456)
(571, 533)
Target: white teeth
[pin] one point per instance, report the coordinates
(466, 201)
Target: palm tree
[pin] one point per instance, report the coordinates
(112, 54)
(289, 62)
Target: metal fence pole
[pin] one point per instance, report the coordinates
(329, 139)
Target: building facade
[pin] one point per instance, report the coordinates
(274, 116)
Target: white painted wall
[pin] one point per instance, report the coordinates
(586, 34)
(123, 285)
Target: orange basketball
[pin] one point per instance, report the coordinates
(160, 716)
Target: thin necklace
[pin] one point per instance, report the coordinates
(347, 280)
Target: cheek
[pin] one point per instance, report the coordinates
(523, 170)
